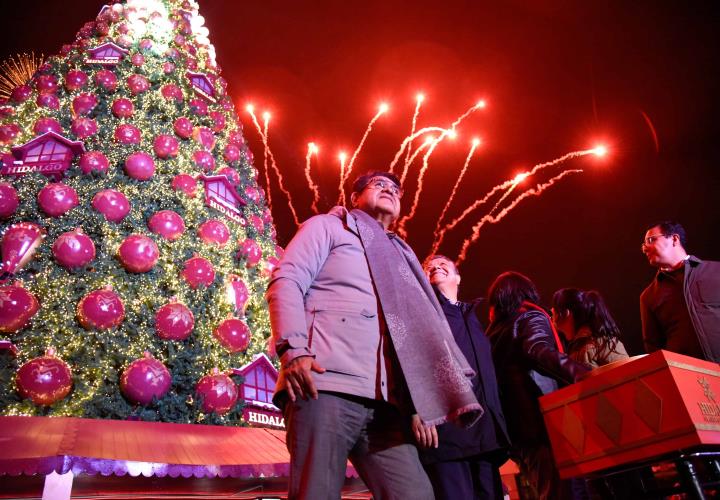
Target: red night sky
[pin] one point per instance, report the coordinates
(558, 76)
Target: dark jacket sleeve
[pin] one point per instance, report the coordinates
(653, 339)
(535, 334)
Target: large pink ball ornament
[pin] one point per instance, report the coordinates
(56, 199)
(83, 127)
(122, 108)
(9, 200)
(214, 232)
(198, 107)
(167, 224)
(75, 80)
(127, 134)
(140, 166)
(198, 272)
(233, 334)
(174, 321)
(137, 60)
(250, 252)
(114, 205)
(100, 310)
(204, 137)
(252, 194)
(217, 392)
(137, 84)
(17, 307)
(8, 133)
(44, 380)
(185, 183)
(73, 249)
(231, 153)
(47, 124)
(107, 80)
(204, 161)
(21, 93)
(93, 161)
(218, 121)
(18, 245)
(165, 146)
(232, 175)
(172, 92)
(145, 379)
(46, 84)
(183, 127)
(237, 293)
(50, 101)
(257, 223)
(138, 253)
(84, 103)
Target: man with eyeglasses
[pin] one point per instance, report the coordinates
(680, 308)
(363, 345)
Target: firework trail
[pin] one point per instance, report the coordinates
(536, 191)
(420, 99)
(383, 108)
(475, 144)
(268, 195)
(407, 141)
(17, 70)
(341, 196)
(266, 117)
(312, 149)
(415, 154)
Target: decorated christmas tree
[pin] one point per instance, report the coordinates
(136, 243)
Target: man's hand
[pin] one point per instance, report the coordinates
(426, 436)
(298, 377)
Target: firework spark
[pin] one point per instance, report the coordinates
(17, 70)
(341, 198)
(263, 136)
(406, 142)
(492, 219)
(266, 118)
(419, 100)
(312, 149)
(381, 110)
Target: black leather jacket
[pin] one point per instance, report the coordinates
(528, 365)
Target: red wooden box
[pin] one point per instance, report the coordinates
(633, 411)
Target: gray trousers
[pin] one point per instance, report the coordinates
(323, 434)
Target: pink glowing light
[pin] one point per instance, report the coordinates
(312, 150)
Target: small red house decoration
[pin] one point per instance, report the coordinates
(260, 377)
(50, 154)
(107, 54)
(202, 85)
(222, 196)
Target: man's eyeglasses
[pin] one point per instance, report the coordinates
(382, 184)
(652, 239)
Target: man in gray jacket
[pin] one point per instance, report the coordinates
(680, 308)
(363, 345)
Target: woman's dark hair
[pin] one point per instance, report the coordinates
(509, 291)
(588, 309)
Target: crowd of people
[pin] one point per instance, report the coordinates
(383, 365)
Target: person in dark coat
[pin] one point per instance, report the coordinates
(529, 363)
(465, 462)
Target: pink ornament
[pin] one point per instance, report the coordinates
(218, 393)
(73, 249)
(18, 245)
(106, 79)
(183, 127)
(75, 80)
(146, 44)
(138, 253)
(270, 266)
(140, 166)
(250, 252)
(8, 133)
(137, 84)
(84, 103)
(112, 204)
(198, 272)
(144, 380)
(185, 183)
(218, 121)
(231, 153)
(257, 223)
(168, 68)
(165, 146)
(205, 137)
(44, 380)
(83, 127)
(214, 232)
(231, 174)
(167, 224)
(56, 199)
(204, 160)
(94, 161)
(198, 107)
(49, 101)
(17, 307)
(174, 321)
(100, 310)
(235, 137)
(137, 60)
(47, 124)
(122, 108)
(252, 193)
(9, 200)
(124, 41)
(237, 293)
(21, 93)
(171, 91)
(46, 84)
(233, 334)
(127, 134)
